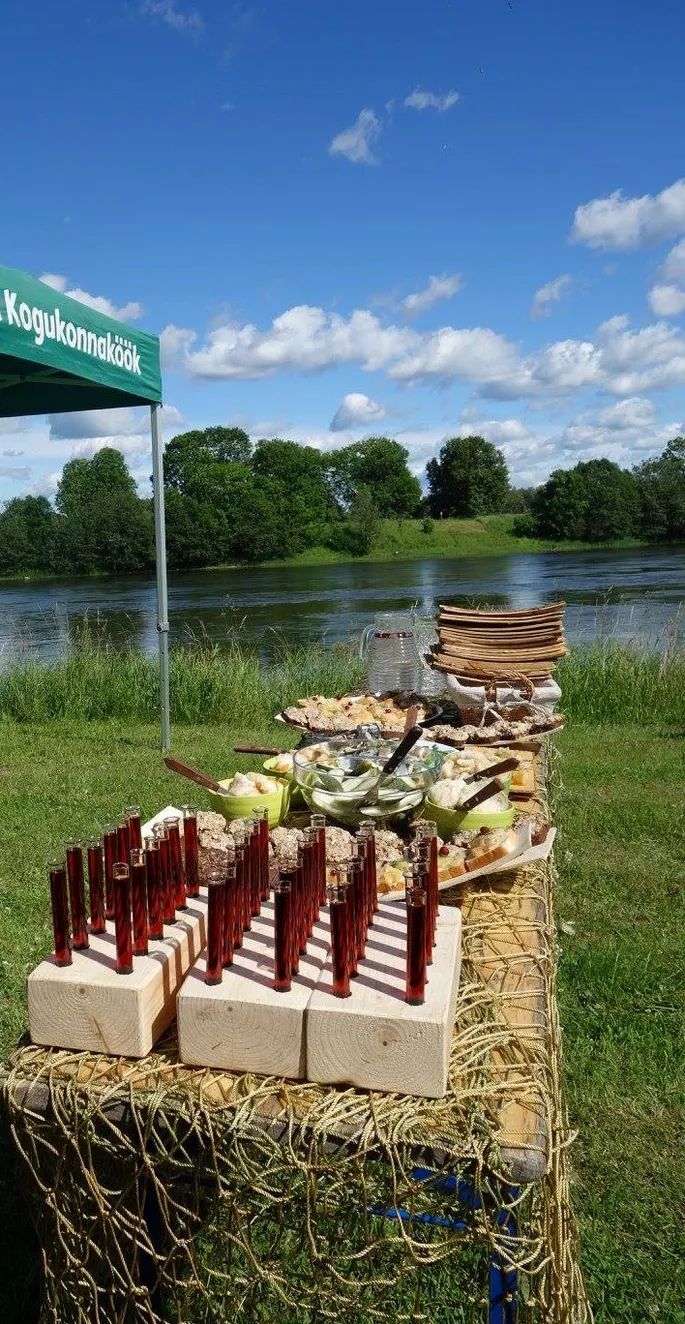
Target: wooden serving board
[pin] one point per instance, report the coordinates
(88, 1006)
(374, 1040)
(242, 1024)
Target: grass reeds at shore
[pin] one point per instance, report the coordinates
(603, 682)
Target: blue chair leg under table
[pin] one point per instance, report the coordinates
(503, 1280)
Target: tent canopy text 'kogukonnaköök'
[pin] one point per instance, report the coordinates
(59, 355)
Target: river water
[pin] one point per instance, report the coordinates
(629, 595)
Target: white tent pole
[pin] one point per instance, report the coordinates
(160, 559)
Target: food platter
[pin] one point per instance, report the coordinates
(317, 716)
(525, 853)
(341, 714)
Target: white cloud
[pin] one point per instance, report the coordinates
(633, 413)
(15, 473)
(128, 313)
(421, 100)
(673, 267)
(548, 295)
(503, 432)
(667, 300)
(13, 425)
(46, 485)
(439, 287)
(619, 360)
(302, 339)
(474, 355)
(621, 223)
(667, 295)
(10, 453)
(93, 423)
(175, 343)
(181, 20)
(356, 142)
(356, 411)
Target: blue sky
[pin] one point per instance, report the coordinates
(414, 219)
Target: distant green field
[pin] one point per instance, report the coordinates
(490, 536)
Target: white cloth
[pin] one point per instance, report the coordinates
(545, 697)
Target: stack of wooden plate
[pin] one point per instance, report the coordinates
(485, 646)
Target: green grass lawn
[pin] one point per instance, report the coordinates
(621, 855)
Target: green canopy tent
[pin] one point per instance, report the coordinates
(58, 355)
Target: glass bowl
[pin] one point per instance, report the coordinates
(339, 781)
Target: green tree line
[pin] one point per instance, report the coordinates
(231, 502)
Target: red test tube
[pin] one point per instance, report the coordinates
(96, 887)
(352, 888)
(318, 826)
(363, 853)
(135, 830)
(300, 903)
(422, 858)
(368, 831)
(261, 817)
(248, 865)
(190, 850)
(340, 960)
(239, 892)
(77, 895)
(216, 885)
(416, 940)
(230, 907)
(311, 882)
(123, 842)
(60, 912)
(178, 885)
(283, 935)
(122, 918)
(355, 870)
(168, 907)
(255, 853)
(427, 850)
(139, 901)
(109, 845)
(155, 906)
(430, 833)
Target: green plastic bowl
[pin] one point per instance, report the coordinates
(449, 821)
(296, 797)
(241, 806)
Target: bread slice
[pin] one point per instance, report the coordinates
(491, 846)
(452, 865)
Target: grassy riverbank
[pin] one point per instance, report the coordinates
(622, 903)
(407, 540)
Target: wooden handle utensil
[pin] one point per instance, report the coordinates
(490, 788)
(255, 749)
(192, 774)
(495, 770)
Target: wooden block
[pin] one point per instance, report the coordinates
(373, 1039)
(87, 1005)
(242, 1024)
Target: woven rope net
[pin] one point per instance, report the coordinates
(163, 1192)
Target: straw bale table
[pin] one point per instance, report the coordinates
(165, 1192)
